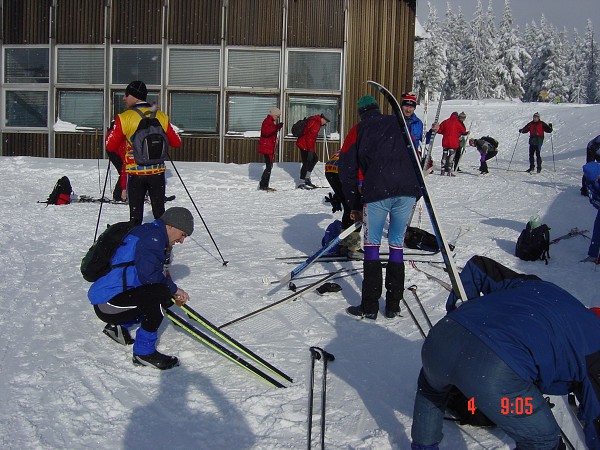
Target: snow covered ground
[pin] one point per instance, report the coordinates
(66, 385)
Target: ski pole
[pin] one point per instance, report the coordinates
(413, 289)
(197, 210)
(326, 357)
(552, 145)
(314, 355)
(102, 202)
(414, 318)
(513, 153)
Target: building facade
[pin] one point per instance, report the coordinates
(215, 66)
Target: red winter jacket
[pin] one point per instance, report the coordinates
(308, 140)
(452, 129)
(268, 136)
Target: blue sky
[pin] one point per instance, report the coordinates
(570, 14)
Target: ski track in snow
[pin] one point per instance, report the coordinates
(65, 385)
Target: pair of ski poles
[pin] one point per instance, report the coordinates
(517, 143)
(317, 353)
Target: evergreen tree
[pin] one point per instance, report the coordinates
(430, 58)
(592, 53)
(511, 58)
(576, 66)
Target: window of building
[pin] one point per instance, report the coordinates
(247, 112)
(119, 106)
(314, 70)
(253, 68)
(131, 64)
(26, 109)
(194, 68)
(83, 108)
(80, 65)
(194, 112)
(26, 65)
(304, 106)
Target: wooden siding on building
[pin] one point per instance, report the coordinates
(194, 22)
(136, 22)
(26, 21)
(317, 24)
(25, 144)
(79, 146)
(255, 22)
(85, 19)
(196, 149)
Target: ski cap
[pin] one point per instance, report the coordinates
(180, 218)
(137, 89)
(536, 115)
(367, 102)
(274, 111)
(325, 117)
(409, 99)
(462, 116)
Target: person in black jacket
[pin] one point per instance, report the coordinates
(389, 189)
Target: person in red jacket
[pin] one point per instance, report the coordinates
(267, 143)
(452, 129)
(536, 130)
(140, 179)
(306, 144)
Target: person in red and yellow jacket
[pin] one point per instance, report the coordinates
(267, 143)
(536, 130)
(452, 129)
(140, 179)
(306, 144)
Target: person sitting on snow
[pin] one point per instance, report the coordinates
(515, 339)
(136, 292)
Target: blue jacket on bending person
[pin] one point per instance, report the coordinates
(541, 339)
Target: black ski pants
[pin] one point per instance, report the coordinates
(309, 161)
(117, 162)
(141, 303)
(137, 187)
(266, 175)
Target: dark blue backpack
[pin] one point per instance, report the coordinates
(333, 230)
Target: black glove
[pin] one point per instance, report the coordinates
(280, 125)
(550, 126)
(334, 201)
(521, 130)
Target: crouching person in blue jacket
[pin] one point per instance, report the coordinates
(136, 289)
(514, 340)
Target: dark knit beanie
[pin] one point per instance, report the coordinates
(137, 89)
(180, 218)
(366, 102)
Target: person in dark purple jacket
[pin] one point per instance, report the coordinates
(515, 339)
(389, 189)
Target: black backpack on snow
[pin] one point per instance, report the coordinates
(149, 142)
(61, 194)
(421, 240)
(298, 127)
(490, 140)
(534, 244)
(96, 262)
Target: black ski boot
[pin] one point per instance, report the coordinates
(371, 291)
(118, 333)
(394, 285)
(156, 359)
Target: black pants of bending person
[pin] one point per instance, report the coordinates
(266, 175)
(309, 161)
(117, 162)
(141, 303)
(137, 187)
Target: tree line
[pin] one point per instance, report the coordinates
(485, 59)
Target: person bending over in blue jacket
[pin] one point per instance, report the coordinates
(515, 339)
(137, 291)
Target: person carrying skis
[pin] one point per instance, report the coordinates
(536, 129)
(306, 144)
(389, 189)
(267, 143)
(486, 151)
(592, 154)
(452, 129)
(141, 180)
(136, 289)
(515, 339)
